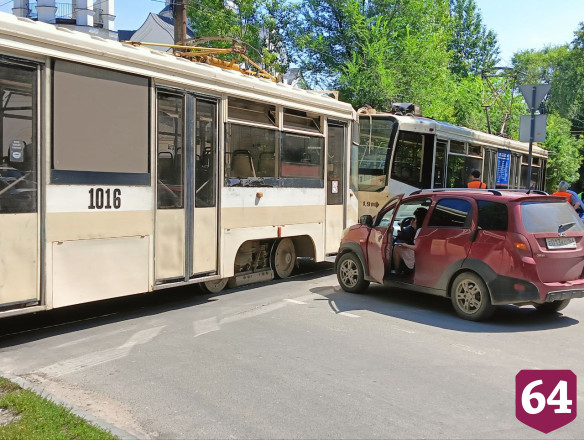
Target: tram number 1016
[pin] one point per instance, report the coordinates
(100, 198)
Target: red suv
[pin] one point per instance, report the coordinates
(481, 248)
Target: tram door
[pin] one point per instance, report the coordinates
(19, 218)
(204, 258)
(186, 193)
(336, 185)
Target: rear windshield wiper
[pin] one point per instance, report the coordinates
(565, 226)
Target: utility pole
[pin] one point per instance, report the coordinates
(179, 11)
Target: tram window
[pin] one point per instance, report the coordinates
(250, 152)
(251, 111)
(335, 164)
(474, 150)
(18, 164)
(101, 125)
(457, 147)
(535, 170)
(459, 169)
(407, 164)
(374, 152)
(205, 154)
(302, 156)
(170, 147)
(297, 119)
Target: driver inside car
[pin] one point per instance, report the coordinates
(404, 247)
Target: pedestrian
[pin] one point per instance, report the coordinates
(571, 197)
(404, 252)
(475, 180)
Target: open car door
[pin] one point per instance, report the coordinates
(379, 240)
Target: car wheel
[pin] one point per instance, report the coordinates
(553, 307)
(350, 274)
(470, 297)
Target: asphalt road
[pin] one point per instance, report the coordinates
(294, 359)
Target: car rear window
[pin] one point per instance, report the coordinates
(492, 216)
(550, 217)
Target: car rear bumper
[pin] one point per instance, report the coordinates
(507, 290)
(565, 294)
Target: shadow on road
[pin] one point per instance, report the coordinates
(26, 328)
(437, 311)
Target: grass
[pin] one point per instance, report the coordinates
(39, 418)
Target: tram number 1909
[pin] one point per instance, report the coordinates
(100, 198)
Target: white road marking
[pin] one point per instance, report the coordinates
(349, 315)
(90, 338)
(77, 364)
(402, 329)
(204, 326)
(294, 301)
(469, 349)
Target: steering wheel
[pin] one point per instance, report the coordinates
(405, 222)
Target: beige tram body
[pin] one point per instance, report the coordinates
(126, 170)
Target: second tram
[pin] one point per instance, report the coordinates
(400, 152)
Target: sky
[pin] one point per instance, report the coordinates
(519, 24)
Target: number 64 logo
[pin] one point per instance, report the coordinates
(545, 399)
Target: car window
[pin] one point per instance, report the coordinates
(406, 210)
(451, 213)
(384, 222)
(550, 217)
(492, 215)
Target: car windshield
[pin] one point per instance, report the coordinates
(550, 217)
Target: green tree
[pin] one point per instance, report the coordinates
(568, 83)
(538, 66)
(376, 51)
(255, 22)
(473, 46)
(565, 152)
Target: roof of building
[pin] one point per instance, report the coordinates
(165, 24)
(125, 35)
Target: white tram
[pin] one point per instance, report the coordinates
(401, 152)
(126, 170)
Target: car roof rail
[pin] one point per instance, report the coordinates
(435, 190)
(528, 191)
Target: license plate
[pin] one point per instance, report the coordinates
(561, 243)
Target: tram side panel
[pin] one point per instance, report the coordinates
(99, 197)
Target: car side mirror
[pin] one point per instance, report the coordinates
(366, 220)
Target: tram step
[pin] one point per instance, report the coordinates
(250, 278)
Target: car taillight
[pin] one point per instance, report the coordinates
(521, 245)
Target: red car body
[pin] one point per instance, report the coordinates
(482, 248)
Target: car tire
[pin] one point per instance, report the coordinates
(470, 297)
(553, 307)
(350, 273)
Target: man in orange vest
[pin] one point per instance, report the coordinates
(563, 191)
(475, 180)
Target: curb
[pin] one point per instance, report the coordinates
(114, 430)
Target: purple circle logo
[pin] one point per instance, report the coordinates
(545, 399)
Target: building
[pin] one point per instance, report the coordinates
(97, 17)
(157, 28)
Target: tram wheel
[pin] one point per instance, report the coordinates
(215, 286)
(284, 258)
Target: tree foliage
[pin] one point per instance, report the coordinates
(565, 152)
(473, 46)
(568, 82)
(255, 22)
